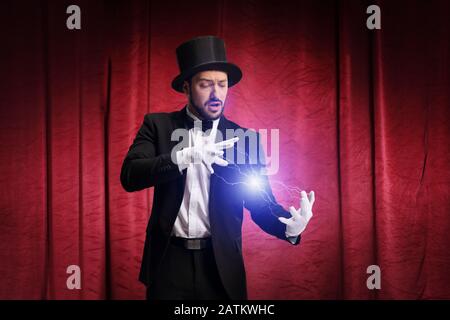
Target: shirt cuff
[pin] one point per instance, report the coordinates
(292, 240)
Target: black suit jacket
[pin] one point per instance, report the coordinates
(148, 164)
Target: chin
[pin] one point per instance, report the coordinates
(215, 115)
(212, 115)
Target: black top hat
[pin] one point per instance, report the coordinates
(201, 54)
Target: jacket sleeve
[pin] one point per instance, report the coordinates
(260, 201)
(143, 167)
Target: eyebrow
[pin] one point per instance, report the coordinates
(209, 80)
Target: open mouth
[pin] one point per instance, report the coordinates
(214, 106)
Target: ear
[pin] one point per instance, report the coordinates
(186, 88)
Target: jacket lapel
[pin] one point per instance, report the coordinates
(180, 183)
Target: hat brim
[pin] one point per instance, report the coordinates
(233, 71)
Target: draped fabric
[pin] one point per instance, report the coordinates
(363, 118)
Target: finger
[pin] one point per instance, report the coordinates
(302, 196)
(304, 207)
(197, 137)
(208, 165)
(221, 162)
(285, 221)
(294, 212)
(215, 152)
(224, 146)
(227, 143)
(312, 198)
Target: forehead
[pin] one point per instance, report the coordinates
(214, 75)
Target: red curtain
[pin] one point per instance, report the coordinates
(363, 118)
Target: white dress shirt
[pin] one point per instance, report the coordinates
(193, 217)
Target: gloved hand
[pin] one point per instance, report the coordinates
(300, 218)
(204, 151)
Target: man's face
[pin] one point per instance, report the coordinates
(207, 93)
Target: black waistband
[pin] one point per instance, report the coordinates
(192, 244)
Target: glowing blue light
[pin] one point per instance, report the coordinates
(254, 182)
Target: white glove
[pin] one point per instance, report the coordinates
(300, 218)
(204, 151)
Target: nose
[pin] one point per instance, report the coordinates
(213, 91)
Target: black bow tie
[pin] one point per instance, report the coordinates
(206, 124)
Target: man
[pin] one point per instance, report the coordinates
(193, 248)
